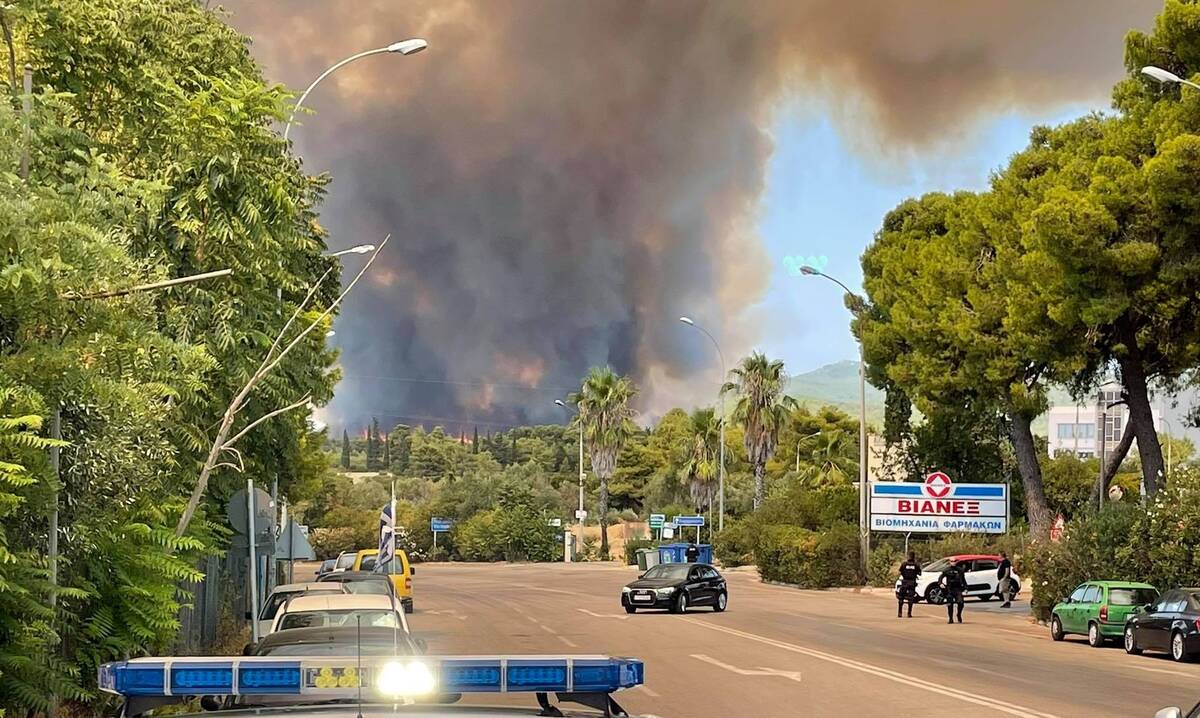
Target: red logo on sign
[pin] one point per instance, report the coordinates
(937, 485)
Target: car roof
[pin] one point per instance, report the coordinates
(353, 576)
(339, 602)
(973, 556)
(1121, 584)
(332, 634)
(368, 552)
(309, 586)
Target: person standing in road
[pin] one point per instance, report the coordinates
(953, 581)
(910, 571)
(1004, 573)
(693, 552)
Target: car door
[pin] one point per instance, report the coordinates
(1068, 614)
(981, 580)
(1089, 608)
(698, 593)
(1155, 625)
(712, 581)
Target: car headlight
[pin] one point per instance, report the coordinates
(625, 589)
(665, 591)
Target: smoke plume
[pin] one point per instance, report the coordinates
(564, 179)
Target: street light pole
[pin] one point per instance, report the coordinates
(721, 425)
(864, 533)
(800, 441)
(579, 514)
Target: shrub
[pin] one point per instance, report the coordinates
(883, 565)
(506, 534)
(632, 546)
(735, 545)
(810, 559)
(1094, 547)
(629, 515)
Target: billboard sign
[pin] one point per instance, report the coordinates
(939, 506)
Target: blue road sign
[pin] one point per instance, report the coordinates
(689, 521)
(436, 524)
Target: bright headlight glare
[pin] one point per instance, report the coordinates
(625, 589)
(664, 591)
(405, 679)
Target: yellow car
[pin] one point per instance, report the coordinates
(401, 580)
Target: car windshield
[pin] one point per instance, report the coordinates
(1131, 596)
(273, 602)
(939, 565)
(326, 619)
(332, 648)
(344, 561)
(668, 570)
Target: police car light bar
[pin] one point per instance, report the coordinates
(326, 678)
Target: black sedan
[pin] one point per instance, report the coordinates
(1171, 624)
(678, 587)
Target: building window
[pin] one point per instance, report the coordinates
(1085, 431)
(1066, 431)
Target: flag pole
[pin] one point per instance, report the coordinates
(394, 526)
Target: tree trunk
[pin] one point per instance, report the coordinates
(1111, 463)
(603, 518)
(1141, 417)
(760, 485)
(1031, 475)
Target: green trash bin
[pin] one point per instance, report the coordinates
(641, 558)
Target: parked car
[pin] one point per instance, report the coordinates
(1171, 624)
(980, 572)
(326, 566)
(402, 582)
(332, 610)
(1098, 609)
(282, 593)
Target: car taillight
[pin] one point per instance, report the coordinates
(1104, 613)
(1198, 624)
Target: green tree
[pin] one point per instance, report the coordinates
(345, 450)
(762, 410)
(832, 460)
(604, 412)
(373, 453)
(702, 466)
(402, 441)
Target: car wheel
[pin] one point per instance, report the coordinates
(935, 595)
(630, 609)
(1056, 629)
(681, 603)
(1131, 646)
(722, 600)
(1179, 649)
(1095, 638)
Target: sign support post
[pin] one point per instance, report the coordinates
(251, 539)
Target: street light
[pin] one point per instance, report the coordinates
(721, 403)
(404, 47)
(801, 441)
(579, 515)
(863, 531)
(356, 249)
(1167, 77)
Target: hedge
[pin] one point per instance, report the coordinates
(810, 559)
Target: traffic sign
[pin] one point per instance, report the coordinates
(555, 522)
(436, 524)
(580, 514)
(689, 521)
(657, 520)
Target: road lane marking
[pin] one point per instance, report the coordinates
(568, 641)
(886, 673)
(546, 628)
(1163, 670)
(760, 671)
(532, 619)
(593, 614)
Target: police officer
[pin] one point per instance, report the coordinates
(953, 581)
(692, 553)
(910, 571)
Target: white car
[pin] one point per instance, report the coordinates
(282, 593)
(344, 561)
(980, 572)
(326, 610)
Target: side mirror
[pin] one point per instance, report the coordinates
(641, 575)
(1169, 713)
(1147, 607)
(412, 570)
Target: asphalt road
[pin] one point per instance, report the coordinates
(782, 652)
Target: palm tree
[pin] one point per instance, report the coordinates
(762, 409)
(700, 468)
(833, 461)
(607, 421)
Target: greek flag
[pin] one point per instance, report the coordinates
(387, 538)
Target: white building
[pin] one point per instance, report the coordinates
(1076, 429)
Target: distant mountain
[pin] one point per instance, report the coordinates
(836, 385)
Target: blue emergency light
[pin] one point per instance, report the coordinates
(340, 676)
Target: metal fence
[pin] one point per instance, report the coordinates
(218, 595)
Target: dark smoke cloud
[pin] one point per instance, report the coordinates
(565, 178)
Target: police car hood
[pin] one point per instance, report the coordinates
(655, 582)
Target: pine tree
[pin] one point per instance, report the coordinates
(345, 450)
(403, 434)
(475, 442)
(512, 452)
(373, 446)
(387, 452)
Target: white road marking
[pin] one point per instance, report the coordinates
(886, 673)
(760, 671)
(546, 628)
(1162, 670)
(593, 614)
(448, 612)
(568, 641)
(650, 692)
(532, 619)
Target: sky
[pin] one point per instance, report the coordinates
(564, 179)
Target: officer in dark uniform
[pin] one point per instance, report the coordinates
(954, 582)
(692, 553)
(910, 571)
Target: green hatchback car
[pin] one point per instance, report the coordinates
(1098, 609)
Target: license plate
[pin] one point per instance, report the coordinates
(334, 677)
(642, 598)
